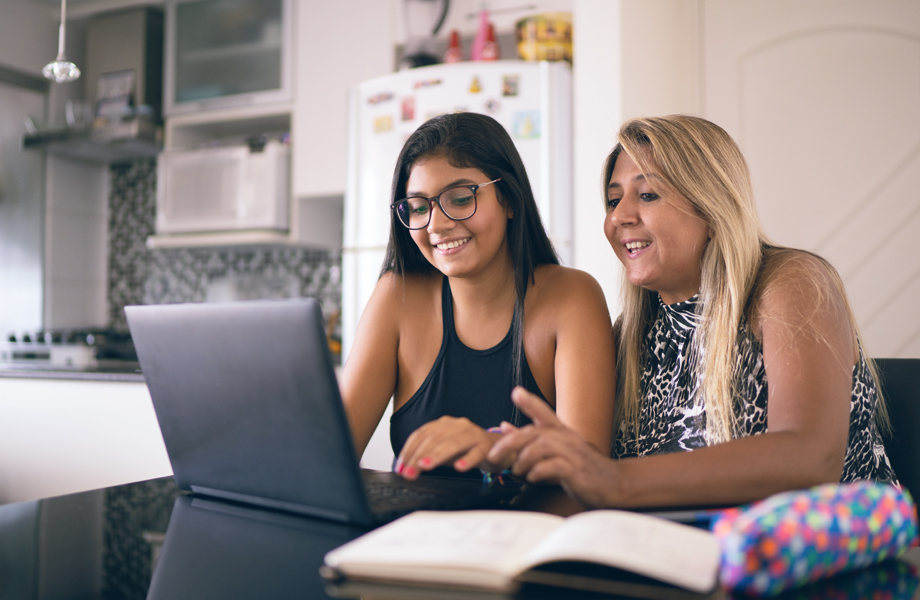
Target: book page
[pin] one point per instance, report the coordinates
(474, 540)
(671, 552)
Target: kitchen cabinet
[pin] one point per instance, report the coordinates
(228, 83)
(224, 53)
(314, 222)
(339, 44)
(332, 50)
(120, 42)
(65, 436)
(234, 128)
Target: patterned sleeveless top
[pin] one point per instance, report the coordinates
(670, 420)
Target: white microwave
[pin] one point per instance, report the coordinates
(223, 189)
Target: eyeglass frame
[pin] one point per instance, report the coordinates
(437, 200)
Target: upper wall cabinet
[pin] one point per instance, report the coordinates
(219, 93)
(339, 44)
(227, 53)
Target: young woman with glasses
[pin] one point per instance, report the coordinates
(741, 369)
(472, 301)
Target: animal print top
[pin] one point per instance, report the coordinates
(670, 421)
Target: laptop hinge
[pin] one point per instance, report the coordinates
(313, 511)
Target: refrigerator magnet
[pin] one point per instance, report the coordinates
(424, 83)
(510, 85)
(408, 108)
(526, 124)
(381, 97)
(383, 124)
(493, 106)
(475, 86)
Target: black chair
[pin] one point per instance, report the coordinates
(900, 383)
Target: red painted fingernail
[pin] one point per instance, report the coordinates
(461, 464)
(409, 472)
(425, 461)
(399, 466)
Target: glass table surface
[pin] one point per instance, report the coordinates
(150, 540)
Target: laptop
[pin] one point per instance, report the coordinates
(249, 408)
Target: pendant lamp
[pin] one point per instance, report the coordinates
(61, 70)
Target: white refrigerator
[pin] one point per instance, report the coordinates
(532, 100)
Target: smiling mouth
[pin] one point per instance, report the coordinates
(453, 244)
(633, 247)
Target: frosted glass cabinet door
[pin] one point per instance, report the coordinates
(227, 52)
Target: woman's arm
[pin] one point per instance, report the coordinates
(809, 354)
(585, 368)
(568, 330)
(369, 376)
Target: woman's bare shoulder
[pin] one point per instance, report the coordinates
(791, 272)
(397, 300)
(566, 289)
(557, 278)
(794, 286)
(407, 288)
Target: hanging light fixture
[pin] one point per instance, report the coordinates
(61, 70)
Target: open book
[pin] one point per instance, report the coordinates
(603, 550)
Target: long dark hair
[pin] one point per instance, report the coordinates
(475, 141)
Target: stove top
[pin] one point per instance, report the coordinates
(68, 349)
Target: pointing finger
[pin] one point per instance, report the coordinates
(510, 443)
(534, 407)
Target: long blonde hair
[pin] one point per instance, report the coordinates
(703, 164)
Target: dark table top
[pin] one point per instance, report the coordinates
(149, 540)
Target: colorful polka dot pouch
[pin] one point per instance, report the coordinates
(888, 580)
(795, 538)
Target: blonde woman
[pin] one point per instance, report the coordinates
(741, 371)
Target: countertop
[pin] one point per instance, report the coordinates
(99, 374)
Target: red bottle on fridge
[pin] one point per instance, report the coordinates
(454, 53)
(490, 51)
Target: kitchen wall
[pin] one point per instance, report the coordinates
(74, 278)
(21, 211)
(70, 205)
(138, 275)
(823, 96)
(618, 74)
(28, 51)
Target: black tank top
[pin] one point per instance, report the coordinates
(463, 382)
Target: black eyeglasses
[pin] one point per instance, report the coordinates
(457, 204)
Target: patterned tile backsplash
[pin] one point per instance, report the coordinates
(138, 275)
(132, 216)
(131, 511)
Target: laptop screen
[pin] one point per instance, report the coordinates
(248, 403)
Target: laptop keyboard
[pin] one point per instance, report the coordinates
(382, 495)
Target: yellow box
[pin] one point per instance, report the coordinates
(547, 36)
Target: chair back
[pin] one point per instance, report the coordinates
(900, 383)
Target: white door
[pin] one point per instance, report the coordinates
(21, 213)
(824, 98)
